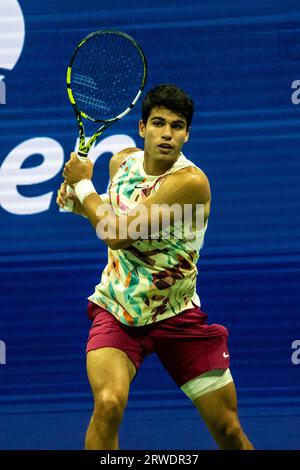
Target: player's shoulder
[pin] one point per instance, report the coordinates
(192, 175)
(191, 184)
(187, 185)
(118, 158)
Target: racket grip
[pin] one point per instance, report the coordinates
(68, 207)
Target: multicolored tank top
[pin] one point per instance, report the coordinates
(152, 279)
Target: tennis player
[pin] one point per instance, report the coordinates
(146, 300)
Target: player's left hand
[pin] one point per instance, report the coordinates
(76, 170)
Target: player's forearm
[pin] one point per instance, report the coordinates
(99, 211)
(104, 220)
(90, 206)
(78, 209)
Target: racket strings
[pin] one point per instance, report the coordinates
(94, 102)
(84, 80)
(107, 73)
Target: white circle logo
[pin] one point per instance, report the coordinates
(12, 34)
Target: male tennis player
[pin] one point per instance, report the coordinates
(146, 301)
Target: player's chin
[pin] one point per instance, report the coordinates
(167, 154)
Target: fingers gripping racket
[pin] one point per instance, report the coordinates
(105, 78)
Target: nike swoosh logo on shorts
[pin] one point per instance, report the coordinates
(225, 355)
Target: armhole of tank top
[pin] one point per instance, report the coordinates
(188, 164)
(127, 158)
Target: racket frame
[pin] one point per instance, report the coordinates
(84, 147)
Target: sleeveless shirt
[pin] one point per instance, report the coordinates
(152, 279)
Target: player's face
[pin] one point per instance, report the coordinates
(164, 133)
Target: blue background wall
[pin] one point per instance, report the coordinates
(238, 59)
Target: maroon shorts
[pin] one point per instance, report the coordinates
(185, 344)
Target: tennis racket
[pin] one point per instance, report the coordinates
(105, 78)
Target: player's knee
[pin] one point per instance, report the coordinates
(230, 435)
(109, 406)
(234, 433)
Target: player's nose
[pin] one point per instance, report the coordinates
(167, 132)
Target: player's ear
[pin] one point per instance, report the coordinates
(142, 128)
(187, 136)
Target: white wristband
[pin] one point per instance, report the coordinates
(83, 189)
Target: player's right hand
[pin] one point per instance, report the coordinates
(62, 195)
(62, 198)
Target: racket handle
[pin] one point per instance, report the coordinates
(82, 155)
(68, 207)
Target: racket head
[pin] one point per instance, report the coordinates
(106, 75)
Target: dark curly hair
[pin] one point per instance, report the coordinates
(170, 97)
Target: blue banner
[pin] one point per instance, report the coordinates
(239, 60)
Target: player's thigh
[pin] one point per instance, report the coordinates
(109, 369)
(219, 407)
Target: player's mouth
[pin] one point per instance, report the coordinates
(165, 146)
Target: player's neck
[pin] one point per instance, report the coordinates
(156, 168)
